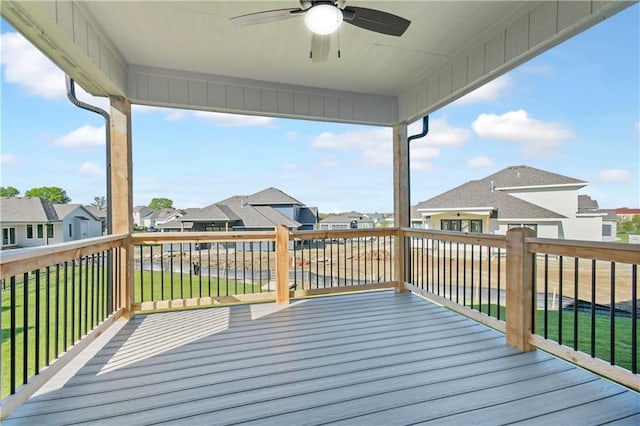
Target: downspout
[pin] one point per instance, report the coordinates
(407, 247)
(71, 94)
(425, 130)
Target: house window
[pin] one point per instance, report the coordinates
(29, 232)
(461, 225)
(8, 236)
(70, 231)
(40, 229)
(49, 230)
(476, 226)
(606, 230)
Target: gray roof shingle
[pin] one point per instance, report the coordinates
(271, 196)
(523, 176)
(347, 217)
(27, 209)
(485, 193)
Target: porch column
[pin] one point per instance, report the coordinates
(401, 206)
(519, 282)
(121, 193)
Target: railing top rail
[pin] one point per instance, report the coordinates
(343, 233)
(210, 236)
(490, 240)
(15, 255)
(18, 261)
(614, 252)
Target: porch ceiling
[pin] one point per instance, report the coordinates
(189, 55)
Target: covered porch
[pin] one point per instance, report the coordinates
(380, 355)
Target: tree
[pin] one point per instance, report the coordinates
(8, 191)
(53, 194)
(100, 202)
(160, 203)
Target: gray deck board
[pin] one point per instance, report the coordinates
(378, 358)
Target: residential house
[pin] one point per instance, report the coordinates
(99, 214)
(139, 213)
(513, 197)
(160, 217)
(587, 207)
(349, 220)
(32, 221)
(261, 211)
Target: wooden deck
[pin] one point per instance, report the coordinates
(378, 358)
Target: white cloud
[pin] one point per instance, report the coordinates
(89, 168)
(376, 145)
(486, 93)
(174, 114)
(638, 129)
(6, 159)
(614, 175)
(354, 140)
(233, 120)
(443, 135)
(85, 136)
(480, 162)
(27, 67)
(292, 136)
(538, 138)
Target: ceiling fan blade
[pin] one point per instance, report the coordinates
(266, 16)
(376, 20)
(320, 47)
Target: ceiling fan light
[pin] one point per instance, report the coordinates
(323, 19)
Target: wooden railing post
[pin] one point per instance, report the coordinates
(519, 281)
(401, 266)
(282, 265)
(121, 204)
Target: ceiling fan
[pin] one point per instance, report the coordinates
(324, 17)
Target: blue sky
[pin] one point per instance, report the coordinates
(574, 110)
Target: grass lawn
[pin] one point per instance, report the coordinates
(169, 286)
(565, 330)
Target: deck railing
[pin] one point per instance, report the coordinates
(586, 307)
(56, 299)
(194, 269)
(178, 269)
(465, 272)
(333, 261)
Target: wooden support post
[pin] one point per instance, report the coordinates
(282, 265)
(519, 277)
(121, 193)
(401, 208)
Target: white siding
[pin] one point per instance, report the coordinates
(562, 201)
(584, 228)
